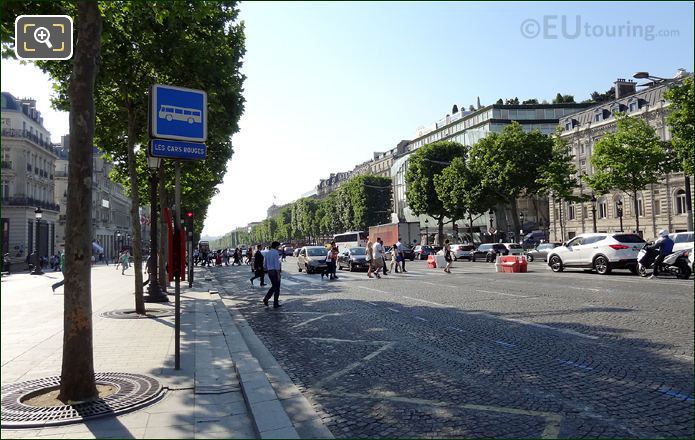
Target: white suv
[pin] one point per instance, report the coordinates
(514, 249)
(602, 252)
(682, 240)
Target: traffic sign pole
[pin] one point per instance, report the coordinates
(177, 267)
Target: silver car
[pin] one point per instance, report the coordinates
(540, 252)
(312, 259)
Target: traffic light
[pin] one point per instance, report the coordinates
(188, 220)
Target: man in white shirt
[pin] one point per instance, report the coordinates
(273, 267)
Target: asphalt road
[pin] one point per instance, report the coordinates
(483, 354)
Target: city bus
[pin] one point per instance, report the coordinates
(350, 239)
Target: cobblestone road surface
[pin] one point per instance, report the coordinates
(481, 354)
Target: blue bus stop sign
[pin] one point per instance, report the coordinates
(178, 113)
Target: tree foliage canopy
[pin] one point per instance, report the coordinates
(682, 122)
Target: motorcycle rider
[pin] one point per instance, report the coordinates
(664, 245)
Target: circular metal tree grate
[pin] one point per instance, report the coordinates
(133, 391)
(130, 314)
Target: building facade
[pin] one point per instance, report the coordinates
(111, 221)
(661, 205)
(28, 181)
(467, 128)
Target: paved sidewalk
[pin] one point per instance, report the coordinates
(220, 392)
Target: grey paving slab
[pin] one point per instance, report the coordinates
(270, 416)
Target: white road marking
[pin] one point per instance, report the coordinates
(393, 310)
(373, 290)
(368, 302)
(353, 365)
(501, 293)
(420, 318)
(315, 319)
(426, 302)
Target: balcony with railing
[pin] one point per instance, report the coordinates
(25, 134)
(30, 202)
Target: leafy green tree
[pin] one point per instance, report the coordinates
(530, 101)
(558, 176)
(462, 192)
(509, 162)
(629, 159)
(682, 123)
(166, 36)
(370, 201)
(424, 165)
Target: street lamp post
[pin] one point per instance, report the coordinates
(620, 213)
(427, 231)
(154, 291)
(593, 210)
(521, 220)
(490, 231)
(118, 242)
(37, 259)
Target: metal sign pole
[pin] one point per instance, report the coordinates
(190, 258)
(177, 267)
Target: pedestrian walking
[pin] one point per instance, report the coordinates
(395, 257)
(62, 270)
(124, 262)
(369, 257)
(378, 257)
(258, 266)
(447, 256)
(249, 256)
(401, 254)
(282, 254)
(331, 260)
(273, 267)
(382, 251)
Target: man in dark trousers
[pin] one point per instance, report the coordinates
(258, 266)
(272, 265)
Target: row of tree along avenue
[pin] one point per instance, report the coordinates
(449, 181)
(358, 203)
(122, 48)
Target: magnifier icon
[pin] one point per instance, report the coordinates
(42, 35)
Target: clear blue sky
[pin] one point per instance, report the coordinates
(329, 83)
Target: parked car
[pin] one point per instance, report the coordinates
(289, 250)
(601, 252)
(533, 239)
(540, 252)
(296, 252)
(312, 259)
(353, 259)
(462, 251)
(682, 240)
(514, 249)
(489, 252)
(422, 252)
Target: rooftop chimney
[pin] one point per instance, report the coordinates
(624, 88)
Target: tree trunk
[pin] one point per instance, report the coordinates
(634, 198)
(77, 373)
(163, 231)
(515, 219)
(562, 231)
(689, 203)
(440, 231)
(135, 214)
(470, 222)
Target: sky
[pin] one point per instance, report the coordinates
(330, 83)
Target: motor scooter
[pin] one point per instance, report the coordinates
(677, 263)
